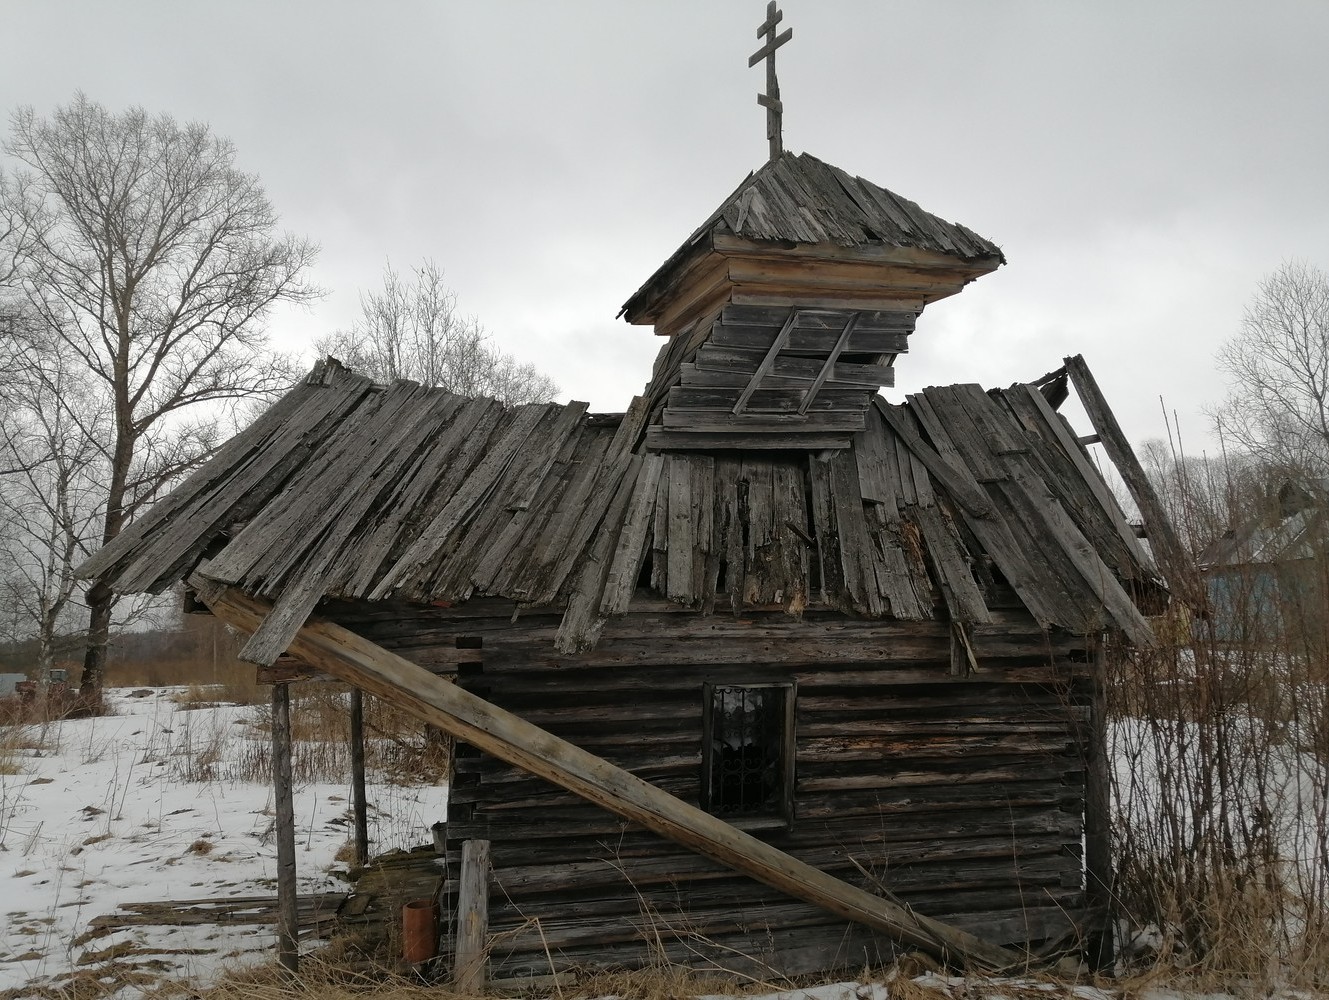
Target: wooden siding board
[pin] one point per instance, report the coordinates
(969, 801)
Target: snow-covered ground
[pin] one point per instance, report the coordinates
(157, 802)
(148, 804)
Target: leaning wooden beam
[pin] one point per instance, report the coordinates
(1168, 551)
(489, 728)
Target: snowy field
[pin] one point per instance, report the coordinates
(149, 804)
(160, 802)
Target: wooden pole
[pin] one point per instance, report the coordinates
(472, 954)
(1098, 822)
(1176, 566)
(359, 806)
(288, 953)
(492, 730)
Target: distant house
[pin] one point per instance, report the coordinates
(1265, 577)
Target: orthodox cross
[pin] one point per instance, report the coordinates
(771, 99)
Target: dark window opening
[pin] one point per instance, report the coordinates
(748, 765)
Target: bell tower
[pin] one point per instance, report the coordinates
(786, 309)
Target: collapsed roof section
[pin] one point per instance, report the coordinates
(941, 507)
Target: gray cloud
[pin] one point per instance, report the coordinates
(1142, 164)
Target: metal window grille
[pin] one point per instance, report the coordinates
(748, 769)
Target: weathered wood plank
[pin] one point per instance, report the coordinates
(776, 423)
(813, 342)
(242, 492)
(462, 504)
(359, 803)
(472, 954)
(621, 582)
(679, 576)
(583, 619)
(1074, 450)
(820, 381)
(1177, 567)
(732, 438)
(685, 397)
(735, 362)
(954, 476)
(777, 344)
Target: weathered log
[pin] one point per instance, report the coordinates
(468, 974)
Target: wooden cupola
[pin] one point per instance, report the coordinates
(787, 307)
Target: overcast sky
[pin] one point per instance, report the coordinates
(1142, 164)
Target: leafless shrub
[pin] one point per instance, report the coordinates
(411, 328)
(1221, 744)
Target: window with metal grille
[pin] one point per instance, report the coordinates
(748, 758)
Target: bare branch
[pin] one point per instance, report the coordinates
(145, 258)
(1278, 407)
(411, 329)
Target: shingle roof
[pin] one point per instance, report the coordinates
(797, 198)
(347, 489)
(800, 198)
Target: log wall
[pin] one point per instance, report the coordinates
(962, 795)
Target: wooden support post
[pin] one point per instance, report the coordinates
(489, 728)
(358, 804)
(288, 953)
(472, 955)
(1099, 942)
(1177, 567)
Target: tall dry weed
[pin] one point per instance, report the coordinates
(1221, 748)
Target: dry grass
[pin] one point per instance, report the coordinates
(328, 980)
(397, 745)
(1221, 833)
(241, 690)
(11, 757)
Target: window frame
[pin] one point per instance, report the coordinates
(782, 813)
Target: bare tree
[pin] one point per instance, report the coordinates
(51, 493)
(1278, 407)
(155, 261)
(411, 329)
